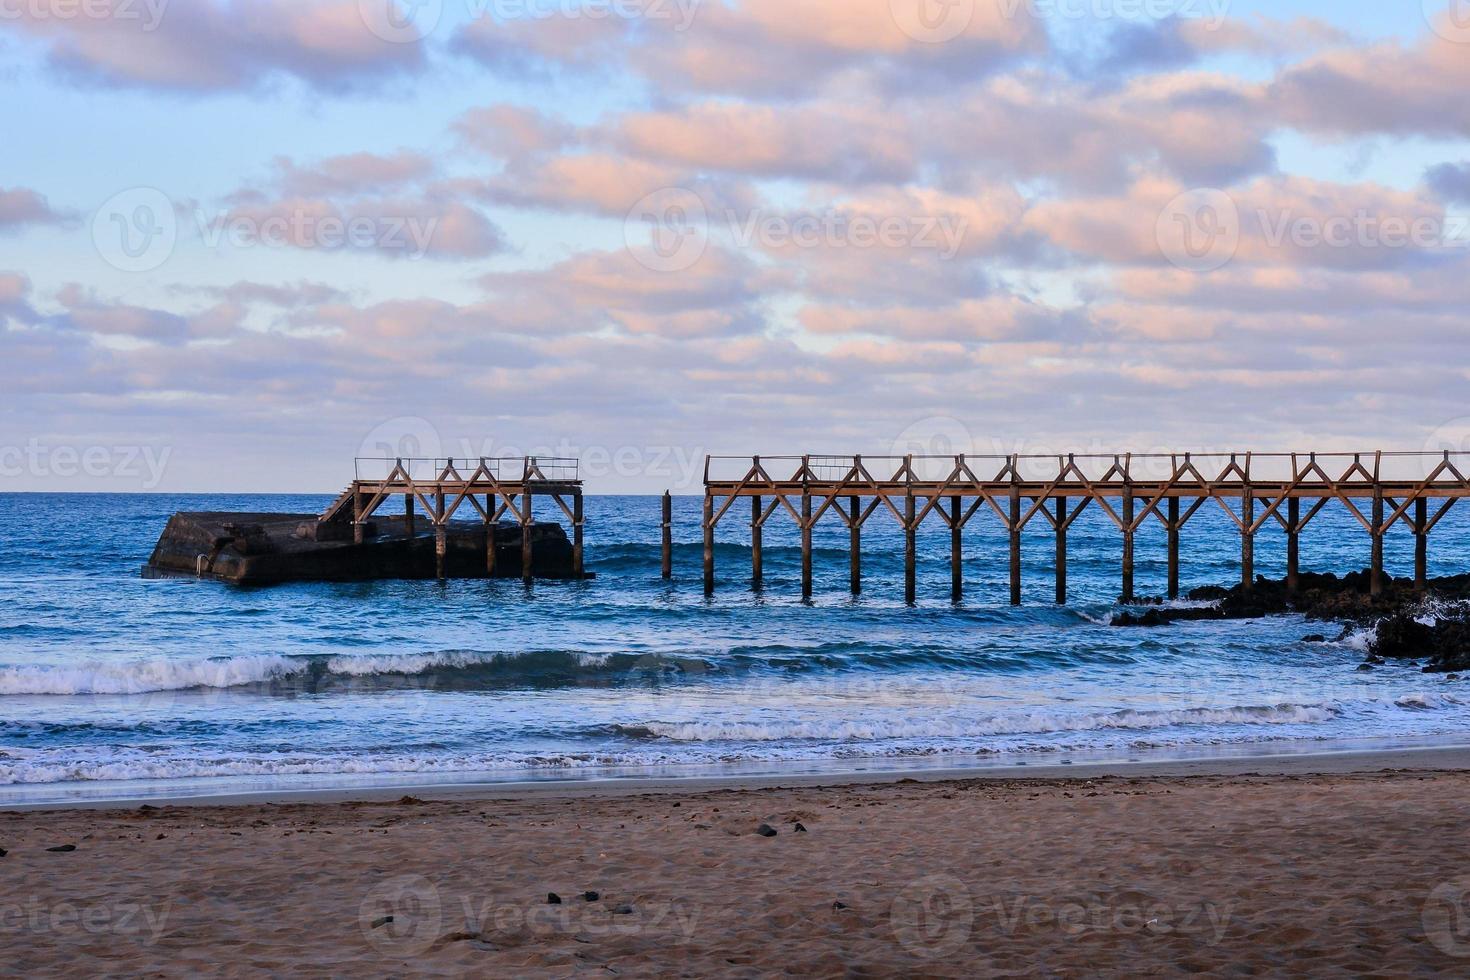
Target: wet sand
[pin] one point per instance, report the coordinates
(1135, 874)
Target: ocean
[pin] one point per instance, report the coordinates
(117, 686)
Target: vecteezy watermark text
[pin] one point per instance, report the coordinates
(120, 919)
(142, 465)
(147, 14)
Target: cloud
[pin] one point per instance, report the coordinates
(1451, 181)
(218, 45)
(20, 207)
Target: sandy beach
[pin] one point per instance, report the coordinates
(1139, 873)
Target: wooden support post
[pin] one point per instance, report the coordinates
(956, 551)
(408, 518)
(1061, 551)
(1421, 544)
(358, 532)
(490, 526)
(1015, 528)
(1173, 534)
(757, 559)
(910, 549)
(528, 521)
(806, 544)
(1293, 544)
(577, 567)
(1127, 544)
(1376, 575)
(441, 551)
(1247, 539)
(855, 546)
(668, 535)
(709, 543)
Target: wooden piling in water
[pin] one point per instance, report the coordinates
(490, 526)
(1376, 573)
(577, 520)
(806, 545)
(1421, 544)
(1172, 530)
(956, 550)
(1127, 595)
(855, 546)
(757, 560)
(668, 535)
(1061, 526)
(1015, 541)
(910, 548)
(528, 519)
(709, 543)
(1293, 544)
(1247, 539)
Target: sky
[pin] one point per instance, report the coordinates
(245, 242)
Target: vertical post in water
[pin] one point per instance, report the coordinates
(806, 530)
(1061, 551)
(408, 518)
(1376, 585)
(1247, 538)
(490, 525)
(577, 522)
(668, 535)
(1293, 544)
(910, 549)
(441, 542)
(757, 560)
(1127, 541)
(956, 550)
(1421, 544)
(855, 546)
(358, 533)
(709, 542)
(1015, 526)
(527, 522)
(1173, 534)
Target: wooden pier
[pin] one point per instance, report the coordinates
(1379, 489)
(492, 487)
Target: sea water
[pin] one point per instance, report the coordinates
(113, 685)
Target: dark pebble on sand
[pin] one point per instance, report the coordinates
(3, 852)
(766, 830)
(800, 828)
(623, 910)
(552, 898)
(590, 896)
(838, 906)
(62, 848)
(381, 921)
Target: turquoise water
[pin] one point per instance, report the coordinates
(112, 684)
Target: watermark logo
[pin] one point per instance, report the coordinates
(142, 466)
(937, 435)
(1450, 21)
(933, 917)
(145, 923)
(401, 21)
(668, 230)
(136, 230)
(402, 916)
(407, 437)
(1199, 231)
(1212, 13)
(932, 21)
(1446, 917)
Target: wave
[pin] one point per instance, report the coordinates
(957, 727)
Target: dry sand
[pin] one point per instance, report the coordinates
(1362, 874)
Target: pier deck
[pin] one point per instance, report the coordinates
(1379, 489)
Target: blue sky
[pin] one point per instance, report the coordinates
(530, 148)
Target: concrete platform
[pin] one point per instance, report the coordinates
(264, 549)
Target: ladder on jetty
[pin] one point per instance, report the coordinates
(1379, 489)
(493, 487)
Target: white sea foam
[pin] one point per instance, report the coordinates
(960, 726)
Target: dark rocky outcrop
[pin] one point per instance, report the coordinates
(1443, 642)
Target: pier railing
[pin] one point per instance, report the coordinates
(1379, 489)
